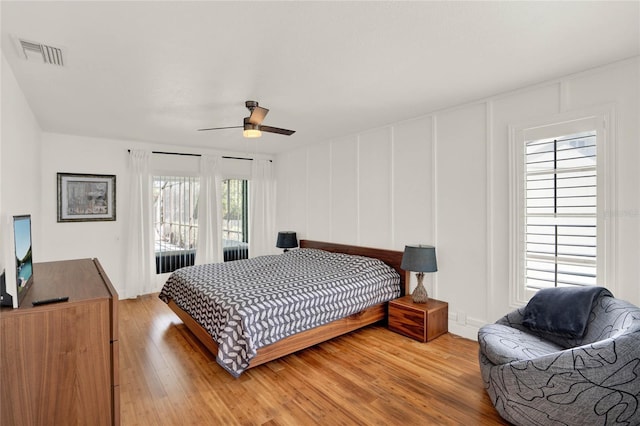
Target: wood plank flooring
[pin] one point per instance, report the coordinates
(369, 377)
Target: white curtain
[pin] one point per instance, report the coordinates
(262, 201)
(209, 246)
(140, 265)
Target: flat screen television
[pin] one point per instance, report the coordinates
(24, 257)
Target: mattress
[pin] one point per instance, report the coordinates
(247, 304)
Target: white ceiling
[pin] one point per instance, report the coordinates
(157, 71)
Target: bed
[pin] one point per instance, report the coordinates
(251, 329)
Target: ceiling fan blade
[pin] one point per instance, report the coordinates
(220, 128)
(257, 115)
(277, 130)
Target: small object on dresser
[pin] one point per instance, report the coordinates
(420, 321)
(419, 259)
(48, 301)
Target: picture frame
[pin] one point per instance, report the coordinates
(86, 197)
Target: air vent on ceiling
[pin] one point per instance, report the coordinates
(39, 52)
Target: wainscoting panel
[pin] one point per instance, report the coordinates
(344, 190)
(318, 195)
(374, 188)
(413, 173)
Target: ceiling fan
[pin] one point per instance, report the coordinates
(252, 127)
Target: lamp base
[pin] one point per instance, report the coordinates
(419, 294)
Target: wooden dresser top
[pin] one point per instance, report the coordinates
(79, 279)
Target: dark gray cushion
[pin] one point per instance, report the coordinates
(563, 311)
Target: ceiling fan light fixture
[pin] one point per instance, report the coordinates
(251, 133)
(251, 130)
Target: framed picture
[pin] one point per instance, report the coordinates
(84, 198)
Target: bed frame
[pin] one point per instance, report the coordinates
(308, 338)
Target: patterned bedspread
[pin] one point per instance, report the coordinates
(247, 304)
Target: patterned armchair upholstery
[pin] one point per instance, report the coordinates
(537, 378)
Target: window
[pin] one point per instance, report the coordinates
(175, 210)
(561, 211)
(235, 223)
(559, 199)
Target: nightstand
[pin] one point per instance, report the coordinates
(420, 321)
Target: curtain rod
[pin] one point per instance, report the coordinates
(198, 155)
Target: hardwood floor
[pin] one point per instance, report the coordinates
(371, 376)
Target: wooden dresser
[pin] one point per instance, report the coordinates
(59, 362)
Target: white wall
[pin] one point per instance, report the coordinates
(75, 240)
(19, 165)
(443, 179)
(106, 241)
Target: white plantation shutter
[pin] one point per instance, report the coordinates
(560, 211)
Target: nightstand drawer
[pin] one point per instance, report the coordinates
(420, 321)
(408, 322)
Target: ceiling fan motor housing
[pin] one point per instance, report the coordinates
(250, 126)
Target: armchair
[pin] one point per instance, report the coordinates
(538, 378)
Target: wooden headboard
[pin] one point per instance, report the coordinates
(390, 257)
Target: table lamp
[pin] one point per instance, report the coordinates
(419, 259)
(287, 240)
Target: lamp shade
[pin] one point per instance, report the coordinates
(287, 239)
(419, 258)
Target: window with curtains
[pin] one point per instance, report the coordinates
(562, 186)
(235, 219)
(561, 200)
(175, 212)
